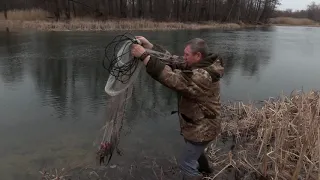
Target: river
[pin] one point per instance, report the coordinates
(53, 103)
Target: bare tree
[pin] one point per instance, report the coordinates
(162, 10)
(5, 11)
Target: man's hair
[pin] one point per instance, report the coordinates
(198, 45)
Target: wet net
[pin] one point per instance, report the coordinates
(123, 71)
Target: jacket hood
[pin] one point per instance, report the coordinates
(213, 64)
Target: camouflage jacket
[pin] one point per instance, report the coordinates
(199, 89)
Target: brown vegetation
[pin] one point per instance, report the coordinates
(80, 25)
(37, 19)
(280, 140)
(293, 21)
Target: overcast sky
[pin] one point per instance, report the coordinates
(296, 4)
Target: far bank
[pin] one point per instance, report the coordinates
(41, 20)
(111, 25)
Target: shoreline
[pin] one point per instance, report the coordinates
(115, 25)
(124, 25)
(292, 25)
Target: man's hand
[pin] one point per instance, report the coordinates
(144, 42)
(137, 50)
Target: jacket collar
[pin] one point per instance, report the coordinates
(205, 62)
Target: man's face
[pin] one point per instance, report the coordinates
(191, 57)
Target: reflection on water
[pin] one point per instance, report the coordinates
(53, 101)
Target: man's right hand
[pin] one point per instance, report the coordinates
(144, 42)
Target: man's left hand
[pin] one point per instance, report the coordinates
(137, 50)
(145, 42)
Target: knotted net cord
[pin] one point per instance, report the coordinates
(123, 70)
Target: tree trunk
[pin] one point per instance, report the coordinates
(214, 10)
(123, 8)
(111, 8)
(239, 10)
(229, 14)
(74, 10)
(150, 9)
(116, 8)
(57, 10)
(139, 8)
(67, 13)
(133, 9)
(249, 10)
(5, 11)
(182, 10)
(258, 11)
(177, 8)
(186, 10)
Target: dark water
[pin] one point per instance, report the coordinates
(53, 104)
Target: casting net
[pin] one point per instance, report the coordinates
(123, 71)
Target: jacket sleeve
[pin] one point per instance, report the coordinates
(176, 62)
(177, 79)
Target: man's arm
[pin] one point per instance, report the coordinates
(175, 62)
(174, 79)
(186, 82)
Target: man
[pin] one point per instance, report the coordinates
(197, 83)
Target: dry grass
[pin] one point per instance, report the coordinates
(85, 25)
(280, 140)
(293, 21)
(37, 19)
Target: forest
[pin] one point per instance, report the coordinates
(246, 11)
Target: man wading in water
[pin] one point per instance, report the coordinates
(197, 82)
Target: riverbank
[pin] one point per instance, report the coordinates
(40, 20)
(112, 25)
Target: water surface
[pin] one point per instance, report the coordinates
(53, 102)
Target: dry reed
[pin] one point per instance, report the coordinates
(280, 140)
(293, 21)
(85, 25)
(38, 19)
